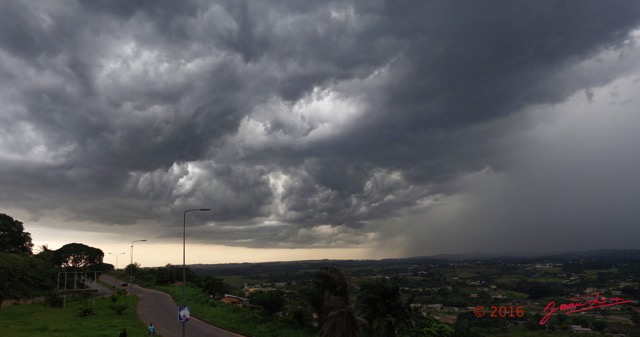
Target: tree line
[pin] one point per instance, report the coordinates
(24, 274)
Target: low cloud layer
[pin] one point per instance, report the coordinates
(421, 127)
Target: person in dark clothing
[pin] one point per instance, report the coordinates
(123, 333)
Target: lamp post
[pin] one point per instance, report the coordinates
(116, 255)
(184, 268)
(131, 281)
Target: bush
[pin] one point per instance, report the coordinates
(84, 312)
(54, 301)
(599, 325)
(299, 316)
(118, 308)
(271, 301)
(114, 298)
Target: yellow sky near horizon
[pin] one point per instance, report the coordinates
(161, 253)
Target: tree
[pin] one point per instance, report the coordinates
(271, 301)
(599, 325)
(78, 256)
(45, 254)
(331, 298)
(382, 306)
(13, 238)
(342, 323)
(214, 286)
(423, 325)
(635, 317)
(127, 268)
(24, 276)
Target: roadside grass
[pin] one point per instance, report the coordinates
(38, 320)
(241, 320)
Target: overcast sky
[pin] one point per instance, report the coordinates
(313, 129)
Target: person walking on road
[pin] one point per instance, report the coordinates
(123, 333)
(151, 329)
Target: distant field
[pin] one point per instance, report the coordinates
(37, 320)
(465, 274)
(509, 279)
(595, 272)
(516, 294)
(239, 280)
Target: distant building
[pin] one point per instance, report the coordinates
(590, 290)
(580, 329)
(497, 295)
(234, 300)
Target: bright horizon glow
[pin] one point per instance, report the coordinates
(147, 255)
(157, 253)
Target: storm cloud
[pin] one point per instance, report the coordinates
(424, 126)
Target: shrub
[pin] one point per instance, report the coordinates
(118, 308)
(299, 316)
(55, 301)
(114, 298)
(84, 312)
(271, 301)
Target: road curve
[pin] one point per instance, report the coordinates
(158, 308)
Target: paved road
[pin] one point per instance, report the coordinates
(158, 308)
(102, 290)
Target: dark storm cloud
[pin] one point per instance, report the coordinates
(299, 124)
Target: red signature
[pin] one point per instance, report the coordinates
(572, 308)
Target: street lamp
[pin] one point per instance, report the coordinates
(184, 268)
(131, 281)
(116, 255)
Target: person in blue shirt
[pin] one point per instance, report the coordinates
(151, 329)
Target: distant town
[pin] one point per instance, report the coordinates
(591, 292)
(450, 289)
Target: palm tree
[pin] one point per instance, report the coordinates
(45, 253)
(331, 300)
(343, 323)
(44, 248)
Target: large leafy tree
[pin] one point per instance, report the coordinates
(271, 301)
(24, 276)
(13, 238)
(78, 256)
(214, 286)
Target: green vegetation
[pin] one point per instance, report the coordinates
(13, 238)
(303, 299)
(246, 321)
(78, 256)
(37, 320)
(23, 276)
(239, 281)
